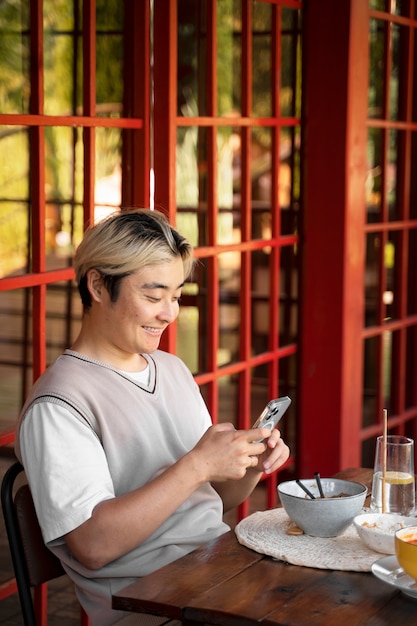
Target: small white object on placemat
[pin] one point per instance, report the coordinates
(265, 532)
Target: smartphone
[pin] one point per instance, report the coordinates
(272, 413)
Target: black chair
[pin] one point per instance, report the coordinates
(34, 564)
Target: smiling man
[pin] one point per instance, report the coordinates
(127, 471)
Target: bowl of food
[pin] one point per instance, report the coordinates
(324, 513)
(377, 530)
(406, 550)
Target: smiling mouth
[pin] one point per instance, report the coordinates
(153, 331)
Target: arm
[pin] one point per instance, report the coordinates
(223, 455)
(101, 527)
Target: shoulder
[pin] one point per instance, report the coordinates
(170, 366)
(167, 359)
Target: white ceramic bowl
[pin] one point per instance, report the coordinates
(323, 517)
(377, 530)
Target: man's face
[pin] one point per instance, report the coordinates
(148, 301)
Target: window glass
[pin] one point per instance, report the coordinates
(411, 368)
(192, 61)
(108, 195)
(290, 92)
(412, 273)
(370, 384)
(109, 53)
(262, 60)
(374, 181)
(376, 74)
(14, 201)
(15, 353)
(372, 278)
(14, 55)
(61, 54)
(229, 57)
(229, 307)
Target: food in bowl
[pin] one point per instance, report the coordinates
(406, 550)
(322, 517)
(377, 530)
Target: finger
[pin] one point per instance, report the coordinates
(257, 434)
(224, 426)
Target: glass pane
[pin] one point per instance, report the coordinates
(412, 274)
(229, 307)
(14, 56)
(290, 99)
(63, 193)
(108, 192)
(261, 304)
(370, 385)
(188, 333)
(392, 261)
(287, 386)
(259, 391)
(374, 186)
(411, 367)
(63, 318)
(187, 175)
(395, 70)
(391, 174)
(399, 78)
(376, 74)
(261, 173)
(289, 179)
(372, 278)
(109, 54)
(413, 168)
(203, 321)
(192, 62)
(401, 7)
(14, 200)
(61, 45)
(368, 452)
(228, 400)
(192, 178)
(14, 354)
(187, 223)
(379, 5)
(229, 57)
(262, 60)
(288, 304)
(226, 150)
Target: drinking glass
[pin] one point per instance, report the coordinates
(398, 493)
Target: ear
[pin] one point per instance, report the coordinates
(95, 284)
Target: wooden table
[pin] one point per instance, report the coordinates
(224, 583)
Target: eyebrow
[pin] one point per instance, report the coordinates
(159, 286)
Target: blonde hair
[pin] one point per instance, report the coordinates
(125, 242)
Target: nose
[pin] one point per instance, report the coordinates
(169, 311)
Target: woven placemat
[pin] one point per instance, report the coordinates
(265, 532)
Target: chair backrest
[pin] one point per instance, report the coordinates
(33, 562)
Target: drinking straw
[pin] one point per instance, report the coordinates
(384, 458)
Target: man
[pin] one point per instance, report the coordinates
(126, 469)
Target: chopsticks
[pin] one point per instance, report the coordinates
(318, 481)
(307, 491)
(304, 488)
